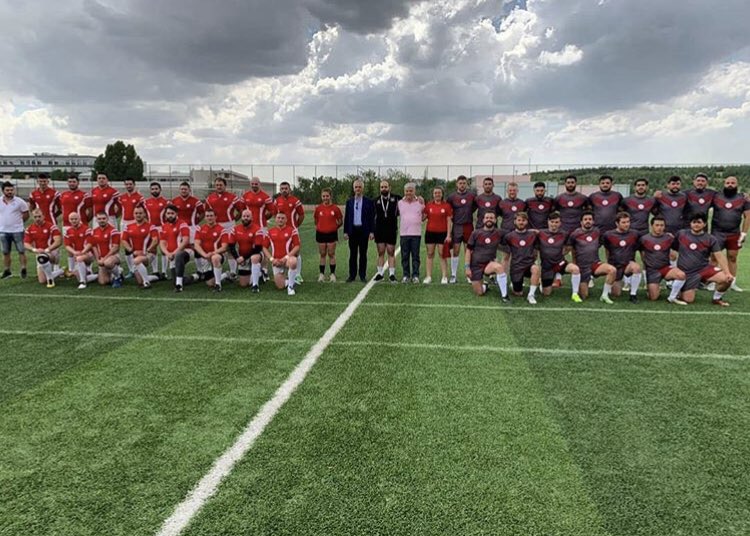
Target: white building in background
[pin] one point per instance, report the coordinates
(33, 164)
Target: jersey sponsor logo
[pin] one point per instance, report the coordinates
(674, 203)
(693, 246)
(570, 203)
(623, 243)
(641, 206)
(657, 247)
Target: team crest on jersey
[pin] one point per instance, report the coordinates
(623, 243)
(657, 247)
(605, 202)
(674, 203)
(214, 234)
(693, 246)
(550, 240)
(641, 206)
(541, 207)
(442, 211)
(701, 200)
(589, 239)
(727, 205)
(463, 201)
(514, 208)
(45, 231)
(570, 203)
(286, 235)
(487, 240)
(333, 213)
(487, 204)
(522, 243)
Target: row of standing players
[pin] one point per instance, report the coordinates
(673, 205)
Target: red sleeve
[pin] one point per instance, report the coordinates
(295, 240)
(266, 241)
(339, 215)
(55, 231)
(449, 212)
(27, 238)
(115, 237)
(184, 230)
(154, 233)
(227, 237)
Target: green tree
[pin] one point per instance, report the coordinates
(17, 175)
(119, 162)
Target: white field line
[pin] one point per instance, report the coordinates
(219, 299)
(207, 486)
(543, 351)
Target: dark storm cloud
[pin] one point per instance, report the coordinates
(360, 16)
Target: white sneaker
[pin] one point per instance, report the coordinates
(676, 301)
(734, 287)
(427, 280)
(626, 287)
(531, 299)
(468, 280)
(321, 278)
(290, 291)
(444, 281)
(711, 287)
(591, 283)
(82, 286)
(404, 279)
(452, 280)
(415, 279)
(332, 278)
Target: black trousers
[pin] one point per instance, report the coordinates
(358, 242)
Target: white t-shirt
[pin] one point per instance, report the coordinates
(11, 214)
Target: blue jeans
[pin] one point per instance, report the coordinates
(6, 239)
(410, 255)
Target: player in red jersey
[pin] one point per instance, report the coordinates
(246, 247)
(227, 207)
(74, 239)
(175, 245)
(43, 239)
(74, 201)
(211, 242)
(189, 208)
(140, 240)
(282, 245)
(105, 199)
(438, 232)
(45, 198)
(128, 201)
(292, 207)
(328, 219)
(155, 205)
(103, 246)
(259, 203)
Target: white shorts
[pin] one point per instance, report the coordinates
(193, 232)
(279, 270)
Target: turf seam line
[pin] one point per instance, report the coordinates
(151, 336)
(222, 466)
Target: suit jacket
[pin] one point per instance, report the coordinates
(368, 216)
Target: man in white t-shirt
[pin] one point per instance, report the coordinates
(13, 213)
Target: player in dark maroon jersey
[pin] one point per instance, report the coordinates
(552, 245)
(730, 223)
(509, 207)
(700, 196)
(487, 201)
(655, 248)
(621, 243)
(522, 243)
(585, 242)
(539, 206)
(696, 249)
(571, 204)
(605, 204)
(481, 258)
(462, 202)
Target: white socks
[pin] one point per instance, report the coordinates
(178, 280)
(502, 283)
(718, 295)
(381, 269)
(130, 262)
(635, 282)
(217, 275)
(575, 282)
(155, 264)
(391, 271)
(454, 266)
(57, 272)
(141, 269)
(677, 285)
(532, 290)
(71, 264)
(232, 265)
(47, 270)
(607, 289)
(254, 274)
(292, 275)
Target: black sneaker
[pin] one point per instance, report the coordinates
(6, 274)
(633, 299)
(23, 273)
(255, 289)
(363, 279)
(379, 277)
(392, 278)
(217, 288)
(506, 299)
(162, 276)
(349, 279)
(178, 288)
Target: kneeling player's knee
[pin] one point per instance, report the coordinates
(575, 270)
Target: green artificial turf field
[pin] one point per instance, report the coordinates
(431, 412)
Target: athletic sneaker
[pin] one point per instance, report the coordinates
(734, 287)
(711, 287)
(415, 279)
(67, 274)
(452, 280)
(720, 303)
(404, 279)
(531, 299)
(332, 278)
(290, 291)
(505, 299)
(146, 285)
(162, 276)
(427, 280)
(117, 282)
(129, 276)
(626, 287)
(392, 278)
(591, 283)
(255, 289)
(232, 276)
(606, 300)
(51, 283)
(379, 277)
(321, 278)
(444, 281)
(24, 273)
(6, 274)
(217, 288)
(676, 301)
(298, 279)
(633, 299)
(576, 298)
(484, 288)
(178, 288)
(81, 286)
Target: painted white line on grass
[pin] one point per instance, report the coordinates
(218, 299)
(205, 489)
(150, 336)
(635, 310)
(545, 351)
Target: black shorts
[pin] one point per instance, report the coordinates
(477, 271)
(386, 235)
(326, 238)
(518, 274)
(549, 272)
(434, 238)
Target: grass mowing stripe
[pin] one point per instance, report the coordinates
(543, 351)
(153, 336)
(206, 488)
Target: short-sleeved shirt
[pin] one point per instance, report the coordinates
(211, 237)
(281, 240)
(698, 202)
(728, 212)
(487, 203)
(386, 212)
(538, 209)
(437, 216)
(585, 244)
(128, 202)
(694, 251)
(620, 246)
(508, 209)
(75, 237)
(142, 236)
(155, 207)
(290, 206)
(483, 245)
(655, 250)
(258, 202)
(104, 200)
(640, 210)
(47, 201)
(571, 207)
(463, 207)
(11, 214)
(605, 206)
(41, 236)
(226, 206)
(551, 247)
(103, 239)
(171, 233)
(246, 238)
(327, 218)
(672, 208)
(74, 201)
(523, 246)
(188, 209)
(410, 214)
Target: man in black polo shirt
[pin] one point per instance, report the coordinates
(386, 230)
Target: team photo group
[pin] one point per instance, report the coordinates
(682, 239)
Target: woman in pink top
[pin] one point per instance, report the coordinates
(410, 210)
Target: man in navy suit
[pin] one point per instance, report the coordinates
(359, 226)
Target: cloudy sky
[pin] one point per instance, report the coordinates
(379, 82)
